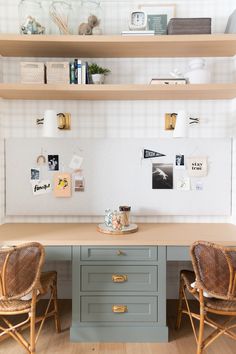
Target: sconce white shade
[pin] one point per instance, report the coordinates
(181, 125)
(50, 126)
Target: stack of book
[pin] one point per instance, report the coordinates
(79, 73)
(168, 81)
(138, 33)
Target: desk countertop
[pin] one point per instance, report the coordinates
(163, 234)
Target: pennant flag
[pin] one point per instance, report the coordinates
(148, 154)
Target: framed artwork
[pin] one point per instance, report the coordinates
(62, 185)
(158, 16)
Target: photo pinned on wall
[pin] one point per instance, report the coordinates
(79, 183)
(34, 174)
(183, 184)
(62, 185)
(198, 186)
(41, 187)
(197, 166)
(170, 121)
(76, 162)
(162, 176)
(179, 161)
(53, 162)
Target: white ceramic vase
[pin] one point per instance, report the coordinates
(98, 79)
(198, 74)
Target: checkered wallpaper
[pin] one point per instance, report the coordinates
(119, 118)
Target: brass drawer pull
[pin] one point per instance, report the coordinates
(119, 308)
(119, 278)
(120, 253)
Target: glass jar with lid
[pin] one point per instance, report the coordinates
(31, 17)
(90, 18)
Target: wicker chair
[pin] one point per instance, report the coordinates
(21, 286)
(214, 286)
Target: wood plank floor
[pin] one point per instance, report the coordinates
(181, 342)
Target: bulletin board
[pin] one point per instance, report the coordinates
(115, 174)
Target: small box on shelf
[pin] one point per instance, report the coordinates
(32, 73)
(58, 72)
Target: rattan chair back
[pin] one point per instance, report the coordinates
(215, 269)
(20, 269)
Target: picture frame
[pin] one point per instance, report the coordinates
(158, 16)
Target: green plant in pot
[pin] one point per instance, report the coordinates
(97, 73)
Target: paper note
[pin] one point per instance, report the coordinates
(41, 187)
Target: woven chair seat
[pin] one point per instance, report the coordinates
(212, 303)
(46, 280)
(14, 305)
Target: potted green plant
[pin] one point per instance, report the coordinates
(97, 73)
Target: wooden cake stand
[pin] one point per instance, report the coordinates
(126, 230)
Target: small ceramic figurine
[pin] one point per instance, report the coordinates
(93, 21)
(31, 26)
(85, 29)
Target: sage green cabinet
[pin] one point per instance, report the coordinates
(119, 254)
(119, 278)
(119, 294)
(119, 309)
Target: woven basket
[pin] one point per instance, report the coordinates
(58, 73)
(32, 73)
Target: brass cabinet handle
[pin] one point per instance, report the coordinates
(120, 253)
(119, 308)
(119, 278)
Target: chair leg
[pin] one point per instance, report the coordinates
(32, 323)
(201, 324)
(55, 302)
(180, 304)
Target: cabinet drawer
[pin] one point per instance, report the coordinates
(119, 253)
(178, 253)
(58, 253)
(119, 278)
(129, 308)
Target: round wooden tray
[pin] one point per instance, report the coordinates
(127, 230)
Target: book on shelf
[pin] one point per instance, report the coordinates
(78, 71)
(138, 33)
(168, 81)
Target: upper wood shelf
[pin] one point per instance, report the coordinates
(117, 92)
(215, 45)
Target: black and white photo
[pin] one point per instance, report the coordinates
(179, 161)
(53, 162)
(34, 174)
(162, 176)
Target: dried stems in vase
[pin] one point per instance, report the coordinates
(60, 16)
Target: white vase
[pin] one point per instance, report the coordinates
(181, 125)
(198, 74)
(50, 126)
(98, 79)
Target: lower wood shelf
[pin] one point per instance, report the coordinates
(117, 92)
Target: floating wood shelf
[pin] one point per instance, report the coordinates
(117, 92)
(214, 45)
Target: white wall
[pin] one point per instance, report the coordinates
(122, 119)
